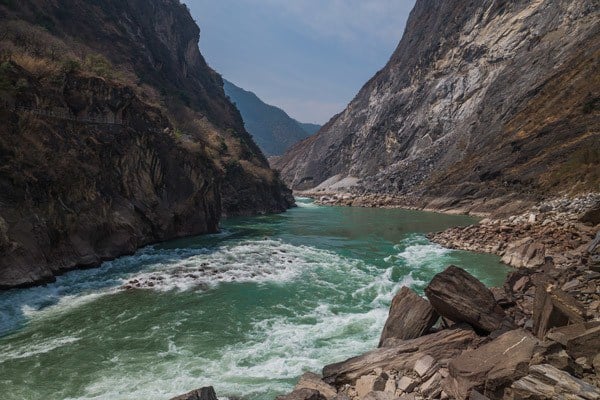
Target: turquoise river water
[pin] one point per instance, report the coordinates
(278, 295)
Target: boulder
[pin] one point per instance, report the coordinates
(592, 215)
(459, 296)
(547, 382)
(391, 385)
(370, 383)
(379, 396)
(303, 394)
(401, 355)
(584, 344)
(425, 366)
(205, 393)
(501, 297)
(524, 254)
(491, 366)
(410, 317)
(432, 387)
(553, 307)
(313, 381)
(407, 384)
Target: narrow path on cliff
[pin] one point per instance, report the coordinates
(247, 310)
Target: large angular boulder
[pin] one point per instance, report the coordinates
(492, 366)
(303, 394)
(553, 307)
(579, 340)
(401, 355)
(459, 296)
(592, 215)
(313, 381)
(547, 382)
(410, 317)
(206, 393)
(524, 254)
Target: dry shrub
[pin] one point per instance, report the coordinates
(37, 66)
(257, 171)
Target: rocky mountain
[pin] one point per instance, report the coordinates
(272, 128)
(115, 134)
(481, 102)
(309, 128)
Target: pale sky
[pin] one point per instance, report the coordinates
(309, 57)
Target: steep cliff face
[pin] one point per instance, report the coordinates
(115, 134)
(481, 99)
(153, 47)
(74, 191)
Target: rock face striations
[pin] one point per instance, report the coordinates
(483, 99)
(115, 134)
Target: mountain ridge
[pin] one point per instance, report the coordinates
(271, 127)
(466, 107)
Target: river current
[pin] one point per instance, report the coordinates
(247, 310)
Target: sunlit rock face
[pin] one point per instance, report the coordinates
(480, 99)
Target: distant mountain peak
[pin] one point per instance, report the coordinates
(271, 127)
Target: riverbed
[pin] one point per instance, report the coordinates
(277, 295)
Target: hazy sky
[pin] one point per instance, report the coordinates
(309, 57)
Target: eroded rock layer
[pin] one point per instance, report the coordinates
(115, 134)
(480, 100)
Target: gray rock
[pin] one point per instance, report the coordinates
(205, 393)
(492, 365)
(458, 295)
(303, 394)
(313, 381)
(403, 355)
(410, 316)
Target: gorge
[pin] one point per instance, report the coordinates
(442, 240)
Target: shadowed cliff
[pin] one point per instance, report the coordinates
(117, 135)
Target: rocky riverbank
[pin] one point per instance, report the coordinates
(506, 205)
(537, 337)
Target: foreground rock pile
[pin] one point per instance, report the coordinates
(475, 351)
(560, 238)
(537, 337)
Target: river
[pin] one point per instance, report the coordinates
(247, 310)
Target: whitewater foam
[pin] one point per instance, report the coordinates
(253, 261)
(11, 353)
